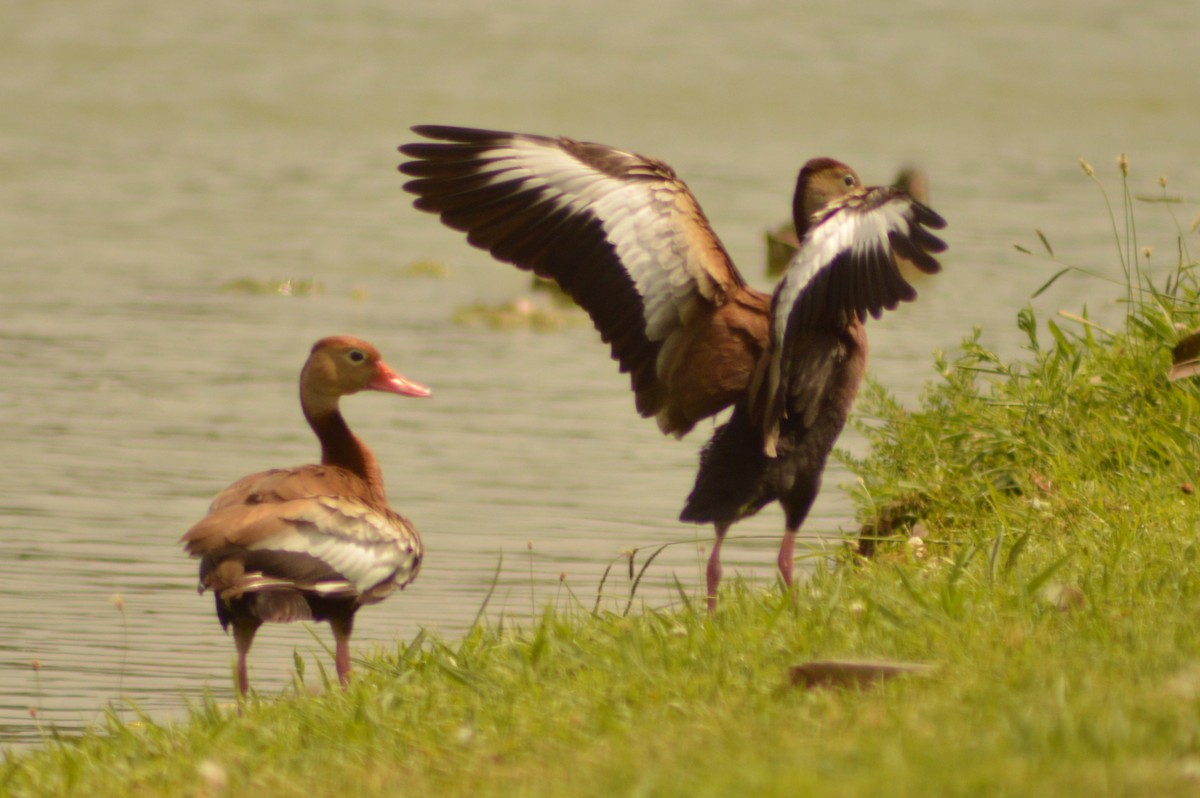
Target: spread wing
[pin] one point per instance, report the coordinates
(847, 268)
(307, 528)
(624, 237)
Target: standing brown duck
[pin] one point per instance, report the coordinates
(315, 542)
(626, 239)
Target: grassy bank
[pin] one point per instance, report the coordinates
(1037, 545)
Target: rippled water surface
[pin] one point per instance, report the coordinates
(152, 154)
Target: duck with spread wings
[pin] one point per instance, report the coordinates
(627, 240)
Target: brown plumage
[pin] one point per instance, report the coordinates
(628, 241)
(314, 542)
(1185, 357)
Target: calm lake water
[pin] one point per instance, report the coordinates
(151, 154)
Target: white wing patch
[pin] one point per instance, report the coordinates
(636, 216)
(361, 544)
(843, 228)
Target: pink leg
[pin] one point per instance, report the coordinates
(341, 652)
(714, 567)
(786, 557)
(243, 636)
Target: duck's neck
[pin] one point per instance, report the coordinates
(801, 216)
(800, 219)
(339, 446)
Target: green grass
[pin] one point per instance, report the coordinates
(1055, 589)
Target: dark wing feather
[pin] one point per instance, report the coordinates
(623, 236)
(845, 270)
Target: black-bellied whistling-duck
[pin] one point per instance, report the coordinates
(315, 542)
(628, 241)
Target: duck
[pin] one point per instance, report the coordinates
(623, 235)
(312, 542)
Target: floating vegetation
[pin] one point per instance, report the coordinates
(426, 268)
(520, 314)
(553, 290)
(781, 247)
(287, 287)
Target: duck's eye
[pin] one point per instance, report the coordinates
(848, 180)
(356, 355)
